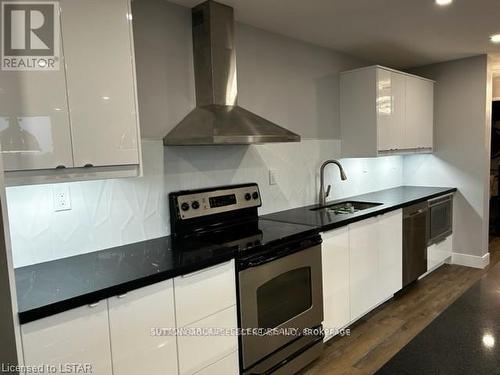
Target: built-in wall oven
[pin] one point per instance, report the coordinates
(440, 218)
(281, 297)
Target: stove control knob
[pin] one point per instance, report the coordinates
(195, 205)
(255, 195)
(184, 206)
(248, 196)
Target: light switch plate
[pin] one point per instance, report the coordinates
(62, 198)
(272, 177)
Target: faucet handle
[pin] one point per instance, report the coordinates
(328, 190)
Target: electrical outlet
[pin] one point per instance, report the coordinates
(272, 177)
(62, 199)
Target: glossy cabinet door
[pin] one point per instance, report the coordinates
(385, 112)
(34, 120)
(204, 292)
(135, 350)
(363, 267)
(97, 43)
(419, 124)
(391, 108)
(390, 254)
(335, 264)
(78, 336)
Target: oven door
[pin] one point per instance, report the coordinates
(440, 218)
(283, 293)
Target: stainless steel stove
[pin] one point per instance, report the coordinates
(280, 303)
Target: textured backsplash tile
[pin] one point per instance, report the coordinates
(109, 213)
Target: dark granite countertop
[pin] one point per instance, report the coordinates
(48, 288)
(45, 289)
(462, 340)
(391, 199)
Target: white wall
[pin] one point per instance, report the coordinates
(287, 81)
(462, 147)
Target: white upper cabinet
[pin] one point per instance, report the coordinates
(419, 127)
(100, 78)
(383, 111)
(82, 115)
(34, 119)
(390, 109)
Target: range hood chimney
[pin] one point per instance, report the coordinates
(217, 119)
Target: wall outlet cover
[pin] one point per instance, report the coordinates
(62, 198)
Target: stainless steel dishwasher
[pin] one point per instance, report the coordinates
(415, 224)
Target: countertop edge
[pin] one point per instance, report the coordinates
(384, 210)
(31, 315)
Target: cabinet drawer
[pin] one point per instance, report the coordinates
(438, 253)
(203, 293)
(227, 366)
(197, 351)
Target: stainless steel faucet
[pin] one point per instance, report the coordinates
(322, 194)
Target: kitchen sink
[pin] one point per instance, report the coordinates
(348, 207)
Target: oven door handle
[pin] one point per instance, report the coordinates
(261, 260)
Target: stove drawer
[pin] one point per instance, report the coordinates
(203, 293)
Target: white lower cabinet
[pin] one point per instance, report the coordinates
(117, 336)
(203, 293)
(228, 365)
(390, 254)
(206, 300)
(78, 336)
(363, 266)
(375, 261)
(439, 252)
(199, 348)
(131, 318)
(335, 264)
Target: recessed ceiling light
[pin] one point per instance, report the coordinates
(443, 2)
(495, 38)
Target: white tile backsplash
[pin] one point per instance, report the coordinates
(109, 213)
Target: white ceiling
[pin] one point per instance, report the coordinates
(398, 33)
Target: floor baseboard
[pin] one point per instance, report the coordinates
(470, 260)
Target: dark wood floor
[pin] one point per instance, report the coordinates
(377, 337)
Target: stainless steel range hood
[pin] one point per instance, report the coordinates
(217, 119)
